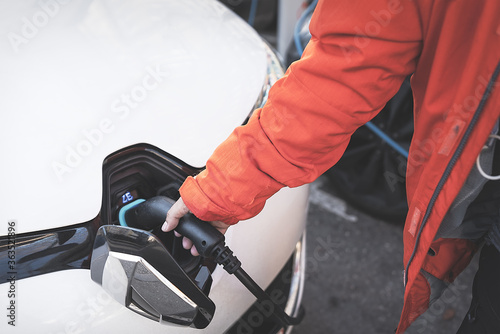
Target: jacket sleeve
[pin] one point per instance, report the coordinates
(359, 54)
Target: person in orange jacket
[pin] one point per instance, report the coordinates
(359, 54)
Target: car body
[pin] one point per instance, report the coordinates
(103, 101)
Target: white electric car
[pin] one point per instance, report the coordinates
(105, 103)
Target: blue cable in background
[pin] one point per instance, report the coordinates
(300, 23)
(300, 49)
(253, 12)
(375, 129)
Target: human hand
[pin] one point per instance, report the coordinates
(176, 212)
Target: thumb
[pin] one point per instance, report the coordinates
(176, 212)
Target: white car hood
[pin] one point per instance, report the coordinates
(83, 79)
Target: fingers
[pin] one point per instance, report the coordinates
(194, 251)
(186, 243)
(175, 213)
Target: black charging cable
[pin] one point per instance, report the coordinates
(209, 242)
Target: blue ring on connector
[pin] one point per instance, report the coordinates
(123, 210)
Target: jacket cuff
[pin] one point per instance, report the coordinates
(201, 205)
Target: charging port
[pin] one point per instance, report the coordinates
(141, 172)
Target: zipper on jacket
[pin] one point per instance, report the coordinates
(451, 164)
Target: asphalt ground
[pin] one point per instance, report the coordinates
(354, 280)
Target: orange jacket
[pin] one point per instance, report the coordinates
(358, 56)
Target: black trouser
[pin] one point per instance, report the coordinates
(484, 312)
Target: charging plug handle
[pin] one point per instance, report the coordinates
(151, 214)
(209, 243)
